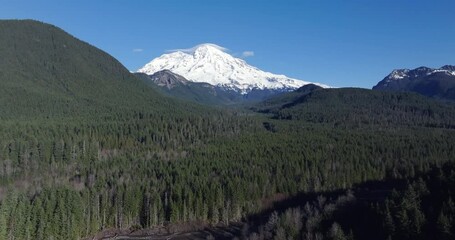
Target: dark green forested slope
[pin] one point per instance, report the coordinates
(85, 146)
(359, 107)
(45, 72)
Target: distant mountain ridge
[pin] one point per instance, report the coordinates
(210, 63)
(168, 79)
(431, 82)
(177, 86)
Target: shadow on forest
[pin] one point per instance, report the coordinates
(356, 210)
(365, 194)
(370, 191)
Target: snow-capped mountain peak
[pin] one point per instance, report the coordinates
(399, 74)
(212, 64)
(432, 82)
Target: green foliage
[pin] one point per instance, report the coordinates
(47, 73)
(421, 208)
(424, 209)
(360, 108)
(86, 146)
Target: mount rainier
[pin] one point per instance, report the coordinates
(211, 64)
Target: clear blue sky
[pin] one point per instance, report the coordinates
(339, 43)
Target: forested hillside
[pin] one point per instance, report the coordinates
(47, 73)
(359, 107)
(86, 146)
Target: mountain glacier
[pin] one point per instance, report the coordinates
(211, 64)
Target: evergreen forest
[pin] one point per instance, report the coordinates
(87, 146)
